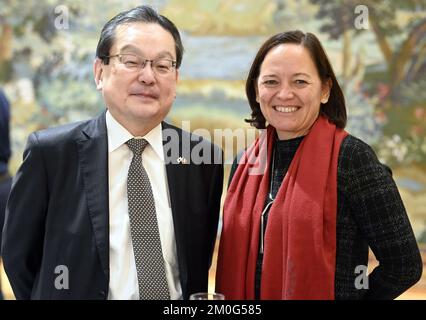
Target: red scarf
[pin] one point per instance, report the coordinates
(300, 239)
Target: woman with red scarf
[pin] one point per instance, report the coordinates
(302, 227)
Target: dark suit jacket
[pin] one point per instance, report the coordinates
(58, 213)
(5, 183)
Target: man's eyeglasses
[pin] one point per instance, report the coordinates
(134, 63)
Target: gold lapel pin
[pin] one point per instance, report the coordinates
(181, 160)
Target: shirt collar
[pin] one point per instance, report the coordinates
(118, 135)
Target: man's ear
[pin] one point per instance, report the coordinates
(326, 89)
(177, 79)
(98, 73)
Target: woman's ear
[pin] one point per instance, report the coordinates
(256, 89)
(98, 73)
(326, 89)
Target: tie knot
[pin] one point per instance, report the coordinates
(137, 145)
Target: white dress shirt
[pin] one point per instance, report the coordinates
(123, 283)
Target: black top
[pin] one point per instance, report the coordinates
(4, 133)
(5, 184)
(370, 212)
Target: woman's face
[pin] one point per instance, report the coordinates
(289, 90)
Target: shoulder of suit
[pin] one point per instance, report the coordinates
(356, 155)
(61, 133)
(353, 147)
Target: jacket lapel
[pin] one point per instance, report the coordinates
(172, 137)
(93, 158)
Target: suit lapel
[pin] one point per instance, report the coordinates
(174, 175)
(93, 158)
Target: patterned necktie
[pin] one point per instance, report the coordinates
(144, 229)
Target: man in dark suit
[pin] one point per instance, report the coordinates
(76, 221)
(5, 179)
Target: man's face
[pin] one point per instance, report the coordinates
(139, 99)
